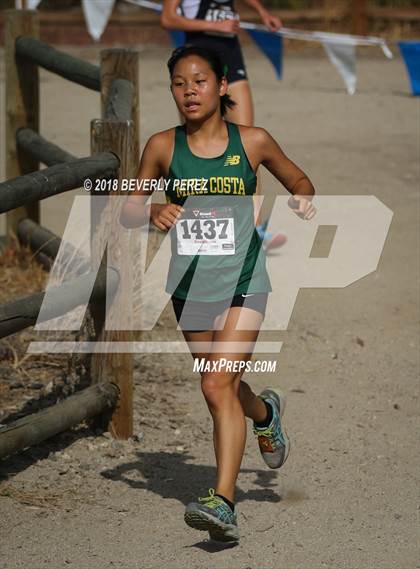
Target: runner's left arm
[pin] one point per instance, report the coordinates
(270, 155)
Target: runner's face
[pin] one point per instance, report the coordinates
(196, 89)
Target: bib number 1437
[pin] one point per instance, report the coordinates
(206, 233)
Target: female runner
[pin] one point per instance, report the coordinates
(217, 277)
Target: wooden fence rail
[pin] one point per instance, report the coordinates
(60, 63)
(35, 428)
(38, 238)
(45, 244)
(24, 312)
(40, 149)
(56, 180)
(120, 100)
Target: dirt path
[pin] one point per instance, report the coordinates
(346, 499)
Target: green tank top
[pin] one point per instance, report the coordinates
(216, 250)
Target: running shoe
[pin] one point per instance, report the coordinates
(274, 241)
(270, 240)
(212, 514)
(273, 440)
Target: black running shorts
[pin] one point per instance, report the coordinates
(229, 50)
(199, 316)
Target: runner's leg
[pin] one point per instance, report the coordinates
(221, 391)
(191, 338)
(253, 406)
(243, 111)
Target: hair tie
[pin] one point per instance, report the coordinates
(225, 70)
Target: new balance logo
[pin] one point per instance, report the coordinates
(232, 160)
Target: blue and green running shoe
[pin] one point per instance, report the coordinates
(212, 514)
(273, 440)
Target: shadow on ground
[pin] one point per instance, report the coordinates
(173, 475)
(211, 546)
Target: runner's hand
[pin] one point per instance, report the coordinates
(302, 207)
(227, 26)
(165, 216)
(273, 23)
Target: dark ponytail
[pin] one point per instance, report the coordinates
(213, 59)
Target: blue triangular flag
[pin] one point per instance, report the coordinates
(177, 37)
(410, 50)
(272, 46)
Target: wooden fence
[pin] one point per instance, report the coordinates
(114, 152)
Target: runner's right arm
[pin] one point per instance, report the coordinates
(171, 20)
(154, 164)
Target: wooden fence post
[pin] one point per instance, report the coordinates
(122, 64)
(122, 138)
(117, 137)
(359, 15)
(22, 105)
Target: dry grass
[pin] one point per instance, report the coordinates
(43, 498)
(20, 273)
(26, 376)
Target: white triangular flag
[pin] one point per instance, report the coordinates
(97, 14)
(29, 5)
(343, 57)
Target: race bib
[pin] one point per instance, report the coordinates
(218, 15)
(208, 231)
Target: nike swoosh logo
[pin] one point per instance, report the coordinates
(245, 295)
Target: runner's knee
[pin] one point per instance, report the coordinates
(215, 387)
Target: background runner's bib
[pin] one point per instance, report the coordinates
(216, 251)
(210, 10)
